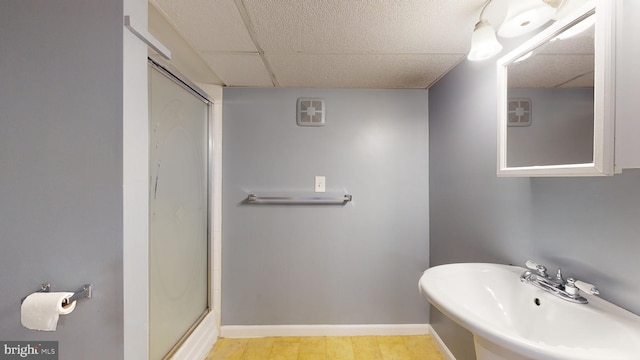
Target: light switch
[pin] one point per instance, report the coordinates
(320, 184)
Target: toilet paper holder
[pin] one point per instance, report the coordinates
(85, 292)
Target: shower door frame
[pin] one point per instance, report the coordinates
(206, 328)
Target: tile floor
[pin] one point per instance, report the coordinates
(418, 347)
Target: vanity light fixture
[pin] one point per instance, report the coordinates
(523, 16)
(484, 44)
(523, 57)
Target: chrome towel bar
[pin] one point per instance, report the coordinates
(299, 199)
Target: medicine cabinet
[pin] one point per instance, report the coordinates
(556, 98)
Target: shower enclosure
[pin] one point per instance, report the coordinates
(179, 210)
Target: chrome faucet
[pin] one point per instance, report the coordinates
(541, 275)
(568, 290)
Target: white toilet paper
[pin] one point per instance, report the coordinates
(41, 310)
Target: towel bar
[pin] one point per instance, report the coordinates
(300, 199)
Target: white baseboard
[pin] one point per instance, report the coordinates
(252, 331)
(199, 344)
(444, 350)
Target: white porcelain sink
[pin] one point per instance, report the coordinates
(514, 320)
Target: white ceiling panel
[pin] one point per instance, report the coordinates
(360, 70)
(548, 71)
(359, 26)
(208, 25)
(581, 45)
(239, 69)
(584, 81)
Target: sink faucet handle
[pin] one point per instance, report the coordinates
(586, 287)
(531, 264)
(559, 278)
(570, 287)
(542, 271)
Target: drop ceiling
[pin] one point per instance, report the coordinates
(326, 43)
(377, 44)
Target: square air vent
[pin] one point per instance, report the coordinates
(310, 112)
(519, 112)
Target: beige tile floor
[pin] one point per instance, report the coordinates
(419, 347)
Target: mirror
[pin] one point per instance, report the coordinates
(556, 99)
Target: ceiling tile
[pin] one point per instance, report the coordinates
(183, 56)
(356, 26)
(549, 70)
(239, 69)
(584, 81)
(209, 25)
(583, 43)
(327, 43)
(360, 70)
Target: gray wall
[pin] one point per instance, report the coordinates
(587, 226)
(561, 130)
(310, 264)
(61, 167)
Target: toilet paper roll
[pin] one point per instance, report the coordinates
(41, 310)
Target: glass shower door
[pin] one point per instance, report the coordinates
(178, 206)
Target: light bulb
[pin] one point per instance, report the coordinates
(483, 42)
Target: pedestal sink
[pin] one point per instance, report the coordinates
(512, 320)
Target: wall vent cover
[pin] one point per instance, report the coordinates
(519, 112)
(310, 112)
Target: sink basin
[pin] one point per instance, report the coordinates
(514, 320)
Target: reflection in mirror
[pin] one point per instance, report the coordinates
(550, 101)
(556, 98)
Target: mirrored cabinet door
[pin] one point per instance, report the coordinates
(555, 91)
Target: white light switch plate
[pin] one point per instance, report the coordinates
(320, 184)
